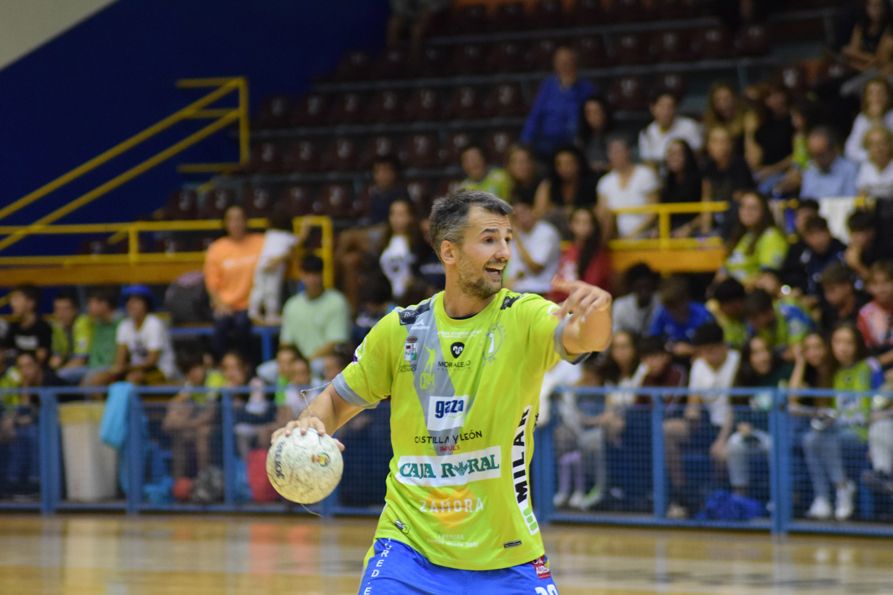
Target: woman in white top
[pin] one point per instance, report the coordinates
(628, 184)
(876, 104)
(145, 354)
(400, 257)
(875, 177)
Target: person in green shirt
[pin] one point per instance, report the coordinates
(462, 416)
(103, 331)
(71, 338)
(480, 176)
(781, 325)
(842, 427)
(755, 243)
(727, 307)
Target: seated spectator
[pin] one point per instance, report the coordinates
(780, 325)
(842, 426)
(386, 187)
(414, 16)
(587, 258)
(403, 249)
(522, 172)
(865, 247)
(877, 101)
(660, 370)
(806, 209)
(769, 154)
(822, 250)
(841, 301)
(727, 307)
(570, 185)
(480, 176)
(103, 334)
(28, 332)
(724, 111)
(229, 274)
(875, 177)
(682, 182)
(755, 243)
(191, 416)
(871, 45)
(635, 311)
(803, 120)
(829, 174)
(290, 399)
(678, 317)
(875, 319)
(253, 414)
(317, 318)
(375, 302)
(595, 127)
(536, 250)
(552, 120)
(71, 338)
(627, 184)
(272, 264)
(725, 178)
(760, 368)
(144, 354)
(706, 421)
(667, 126)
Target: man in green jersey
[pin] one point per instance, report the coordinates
(463, 370)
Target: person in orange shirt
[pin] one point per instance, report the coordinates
(229, 274)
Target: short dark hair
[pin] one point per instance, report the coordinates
(312, 263)
(289, 347)
(663, 92)
(838, 273)
(815, 224)
(449, 214)
(106, 294)
(674, 291)
(68, 295)
(637, 272)
(883, 267)
(388, 159)
(652, 346)
(189, 359)
(758, 302)
(31, 292)
(861, 220)
(729, 290)
(476, 147)
(708, 333)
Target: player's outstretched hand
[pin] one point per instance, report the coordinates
(582, 299)
(310, 422)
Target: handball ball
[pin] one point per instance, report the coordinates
(304, 469)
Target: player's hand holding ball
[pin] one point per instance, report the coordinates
(304, 464)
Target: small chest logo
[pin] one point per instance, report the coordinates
(457, 348)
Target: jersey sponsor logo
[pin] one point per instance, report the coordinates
(457, 348)
(450, 470)
(452, 505)
(426, 378)
(541, 565)
(411, 350)
(450, 438)
(495, 338)
(446, 413)
(519, 473)
(454, 365)
(508, 301)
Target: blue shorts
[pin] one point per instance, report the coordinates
(397, 569)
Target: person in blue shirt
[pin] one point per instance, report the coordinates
(678, 317)
(828, 174)
(552, 121)
(782, 325)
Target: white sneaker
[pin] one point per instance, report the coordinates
(593, 498)
(576, 500)
(559, 499)
(844, 509)
(820, 509)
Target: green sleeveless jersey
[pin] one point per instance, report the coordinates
(464, 401)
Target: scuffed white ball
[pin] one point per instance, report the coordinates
(304, 468)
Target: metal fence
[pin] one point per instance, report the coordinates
(608, 455)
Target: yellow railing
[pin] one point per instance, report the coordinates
(136, 257)
(199, 109)
(665, 239)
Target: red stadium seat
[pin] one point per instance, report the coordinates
(549, 14)
(420, 150)
(588, 12)
(497, 144)
(539, 56)
(591, 52)
(420, 194)
(504, 101)
(424, 104)
(511, 16)
(215, 202)
(377, 147)
(341, 155)
(627, 93)
(310, 110)
(455, 143)
(471, 18)
(672, 82)
(630, 48)
(712, 43)
(296, 200)
(434, 61)
(265, 158)
(753, 41)
(465, 103)
(348, 108)
(677, 9)
(355, 66)
(335, 200)
(274, 112)
(468, 58)
(393, 63)
(671, 46)
(505, 56)
(258, 201)
(301, 156)
(183, 204)
(386, 106)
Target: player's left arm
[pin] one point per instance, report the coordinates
(589, 327)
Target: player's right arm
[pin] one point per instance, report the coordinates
(326, 413)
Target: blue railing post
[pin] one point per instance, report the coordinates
(658, 464)
(543, 471)
(781, 447)
(49, 452)
(266, 344)
(229, 449)
(134, 452)
(775, 487)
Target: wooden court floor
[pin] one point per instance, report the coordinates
(196, 555)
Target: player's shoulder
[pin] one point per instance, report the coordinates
(409, 315)
(511, 302)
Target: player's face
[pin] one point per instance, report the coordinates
(484, 253)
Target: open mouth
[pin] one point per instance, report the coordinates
(495, 273)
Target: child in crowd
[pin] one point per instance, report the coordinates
(727, 306)
(875, 319)
(264, 304)
(27, 332)
(678, 317)
(780, 325)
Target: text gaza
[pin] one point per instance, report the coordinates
(442, 408)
